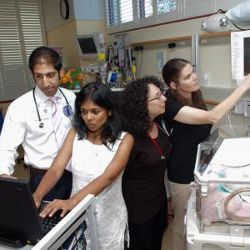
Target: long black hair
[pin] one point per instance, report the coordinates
(102, 96)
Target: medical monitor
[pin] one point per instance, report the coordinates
(206, 151)
(87, 46)
(240, 51)
(246, 56)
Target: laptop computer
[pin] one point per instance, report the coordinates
(20, 222)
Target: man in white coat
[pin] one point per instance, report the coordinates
(40, 121)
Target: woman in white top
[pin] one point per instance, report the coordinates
(99, 152)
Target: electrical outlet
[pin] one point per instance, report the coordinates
(205, 79)
(160, 60)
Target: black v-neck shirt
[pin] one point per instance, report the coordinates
(185, 139)
(143, 179)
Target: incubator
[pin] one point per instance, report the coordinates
(218, 211)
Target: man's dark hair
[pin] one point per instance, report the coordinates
(45, 54)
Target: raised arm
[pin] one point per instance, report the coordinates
(56, 170)
(112, 171)
(191, 115)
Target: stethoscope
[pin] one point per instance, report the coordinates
(67, 109)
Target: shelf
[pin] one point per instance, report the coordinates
(180, 38)
(162, 41)
(214, 34)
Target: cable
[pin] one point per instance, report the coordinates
(139, 68)
(78, 240)
(224, 12)
(238, 27)
(230, 123)
(230, 215)
(236, 166)
(221, 11)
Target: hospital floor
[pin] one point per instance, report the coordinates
(166, 239)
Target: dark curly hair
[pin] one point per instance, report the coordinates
(135, 106)
(47, 54)
(101, 95)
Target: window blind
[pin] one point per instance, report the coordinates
(112, 12)
(164, 6)
(126, 11)
(119, 12)
(20, 33)
(144, 8)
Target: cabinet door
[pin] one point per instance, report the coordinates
(197, 8)
(226, 5)
(13, 81)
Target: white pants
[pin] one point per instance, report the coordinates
(174, 236)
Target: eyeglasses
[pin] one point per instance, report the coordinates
(158, 96)
(39, 76)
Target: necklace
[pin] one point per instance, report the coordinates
(96, 148)
(157, 146)
(96, 151)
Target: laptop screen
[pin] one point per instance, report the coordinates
(206, 151)
(19, 220)
(20, 223)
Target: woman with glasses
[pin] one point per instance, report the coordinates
(143, 179)
(186, 107)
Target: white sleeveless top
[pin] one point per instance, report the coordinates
(88, 162)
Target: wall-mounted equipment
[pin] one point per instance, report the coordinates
(171, 45)
(87, 46)
(240, 52)
(238, 15)
(216, 23)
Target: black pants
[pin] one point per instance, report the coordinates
(148, 235)
(61, 190)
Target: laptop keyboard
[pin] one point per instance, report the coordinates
(49, 222)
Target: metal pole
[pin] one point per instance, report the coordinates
(195, 53)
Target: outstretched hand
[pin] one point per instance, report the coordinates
(8, 176)
(58, 205)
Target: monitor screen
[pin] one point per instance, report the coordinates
(207, 150)
(87, 45)
(240, 48)
(246, 55)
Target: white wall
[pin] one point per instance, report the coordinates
(78, 10)
(215, 58)
(89, 9)
(51, 13)
(214, 53)
(86, 16)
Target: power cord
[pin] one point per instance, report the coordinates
(230, 215)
